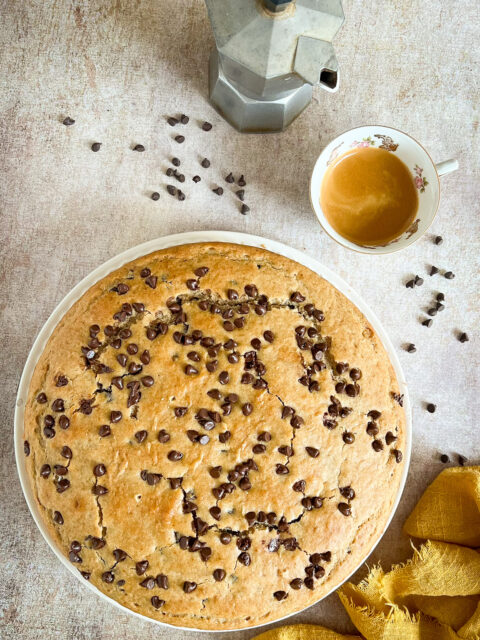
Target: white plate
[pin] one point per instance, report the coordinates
(132, 254)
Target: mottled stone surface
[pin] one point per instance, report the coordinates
(118, 68)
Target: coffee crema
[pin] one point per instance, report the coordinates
(368, 196)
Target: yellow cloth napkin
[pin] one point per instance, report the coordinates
(433, 596)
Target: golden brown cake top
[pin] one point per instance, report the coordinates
(214, 436)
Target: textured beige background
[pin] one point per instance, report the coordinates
(118, 67)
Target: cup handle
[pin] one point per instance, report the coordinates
(447, 166)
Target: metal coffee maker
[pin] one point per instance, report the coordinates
(269, 54)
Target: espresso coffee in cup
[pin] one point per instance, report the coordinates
(369, 196)
(375, 189)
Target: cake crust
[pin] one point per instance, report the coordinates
(231, 508)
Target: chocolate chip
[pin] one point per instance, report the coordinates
(264, 436)
(433, 270)
(219, 575)
(57, 517)
(427, 323)
(163, 436)
(223, 377)
(175, 483)
(155, 196)
(174, 456)
(440, 306)
(172, 121)
(432, 312)
(355, 374)
(205, 553)
(244, 558)
(60, 470)
(296, 296)
(241, 181)
(312, 452)
(48, 432)
(162, 581)
(206, 126)
(372, 429)
(398, 455)
(148, 583)
(62, 485)
(377, 445)
(58, 405)
(431, 408)
(139, 147)
(66, 452)
(418, 281)
(192, 284)
(99, 490)
(141, 567)
(97, 543)
(184, 119)
(280, 595)
(196, 178)
(438, 240)
(41, 398)
(205, 163)
(188, 587)
(115, 416)
(244, 209)
(463, 337)
(245, 484)
(352, 390)
(281, 469)
(45, 470)
(344, 509)
(296, 583)
(449, 275)
(74, 557)
(157, 602)
(259, 448)
(410, 284)
(179, 139)
(171, 190)
(411, 348)
(68, 121)
(247, 408)
(104, 431)
(218, 191)
(141, 436)
(347, 492)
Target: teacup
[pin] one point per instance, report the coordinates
(425, 174)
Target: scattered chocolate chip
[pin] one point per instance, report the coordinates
(139, 147)
(172, 121)
(188, 587)
(347, 492)
(115, 416)
(244, 209)
(411, 348)
(58, 405)
(205, 163)
(444, 458)
(57, 517)
(68, 121)
(427, 322)
(240, 194)
(247, 408)
(241, 181)
(141, 436)
(66, 452)
(296, 583)
(155, 196)
(280, 595)
(377, 445)
(463, 337)
(449, 275)
(410, 284)
(148, 583)
(45, 470)
(431, 408)
(418, 281)
(174, 456)
(218, 191)
(99, 490)
(179, 139)
(244, 558)
(433, 270)
(206, 126)
(171, 190)
(432, 312)
(223, 377)
(184, 119)
(196, 178)
(438, 240)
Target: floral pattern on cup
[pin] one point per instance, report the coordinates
(363, 144)
(387, 143)
(420, 181)
(334, 155)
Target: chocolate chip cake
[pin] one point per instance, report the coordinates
(214, 436)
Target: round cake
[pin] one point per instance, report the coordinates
(214, 436)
